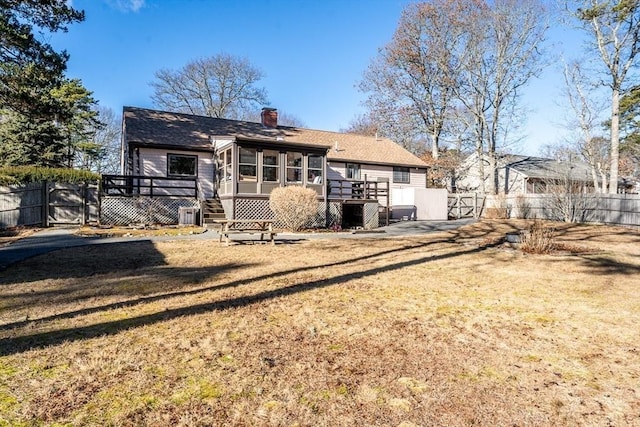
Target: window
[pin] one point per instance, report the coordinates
(181, 165)
(270, 166)
(247, 166)
(314, 170)
(224, 166)
(294, 167)
(400, 175)
(353, 171)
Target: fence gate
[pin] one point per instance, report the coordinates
(465, 205)
(66, 204)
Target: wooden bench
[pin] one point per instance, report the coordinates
(263, 227)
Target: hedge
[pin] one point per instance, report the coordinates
(25, 174)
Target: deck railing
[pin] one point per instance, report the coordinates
(346, 189)
(152, 186)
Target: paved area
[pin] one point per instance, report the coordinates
(53, 239)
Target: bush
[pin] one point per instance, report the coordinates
(538, 239)
(523, 206)
(294, 206)
(12, 175)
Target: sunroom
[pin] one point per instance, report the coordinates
(248, 170)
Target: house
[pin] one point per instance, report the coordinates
(516, 174)
(236, 164)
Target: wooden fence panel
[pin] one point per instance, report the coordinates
(43, 204)
(21, 205)
(619, 209)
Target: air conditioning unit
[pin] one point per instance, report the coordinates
(188, 216)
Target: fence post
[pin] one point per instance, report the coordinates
(83, 194)
(45, 204)
(459, 204)
(475, 205)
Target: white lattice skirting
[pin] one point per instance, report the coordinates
(371, 216)
(259, 209)
(143, 210)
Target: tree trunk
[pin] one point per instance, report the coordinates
(594, 176)
(615, 140)
(435, 153)
(493, 176)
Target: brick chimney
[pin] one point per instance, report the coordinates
(269, 117)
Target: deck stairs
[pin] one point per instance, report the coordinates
(212, 210)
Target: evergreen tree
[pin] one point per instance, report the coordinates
(45, 116)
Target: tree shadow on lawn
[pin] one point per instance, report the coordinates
(189, 276)
(94, 259)
(604, 266)
(22, 343)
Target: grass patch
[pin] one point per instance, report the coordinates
(429, 330)
(115, 231)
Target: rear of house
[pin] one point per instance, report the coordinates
(234, 165)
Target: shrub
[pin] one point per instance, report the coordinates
(25, 174)
(523, 206)
(538, 239)
(294, 206)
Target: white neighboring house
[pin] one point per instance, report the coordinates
(239, 163)
(518, 174)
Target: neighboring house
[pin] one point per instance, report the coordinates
(522, 174)
(239, 163)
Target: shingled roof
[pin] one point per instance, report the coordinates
(161, 128)
(543, 168)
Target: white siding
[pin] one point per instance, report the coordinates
(417, 177)
(153, 162)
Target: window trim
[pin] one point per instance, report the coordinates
(357, 167)
(405, 169)
(300, 168)
(254, 178)
(268, 166)
(319, 171)
(190, 156)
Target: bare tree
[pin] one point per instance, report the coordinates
(454, 56)
(101, 153)
(222, 86)
(585, 116)
(503, 55)
(361, 124)
(568, 198)
(417, 71)
(614, 27)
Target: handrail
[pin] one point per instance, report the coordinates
(152, 186)
(356, 189)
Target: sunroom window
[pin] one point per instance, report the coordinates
(314, 170)
(182, 165)
(247, 166)
(270, 166)
(294, 167)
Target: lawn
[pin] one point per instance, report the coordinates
(453, 329)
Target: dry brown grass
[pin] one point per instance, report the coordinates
(147, 231)
(446, 329)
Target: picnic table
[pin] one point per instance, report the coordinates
(227, 227)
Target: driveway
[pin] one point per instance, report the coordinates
(53, 239)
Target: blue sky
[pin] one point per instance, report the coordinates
(313, 53)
